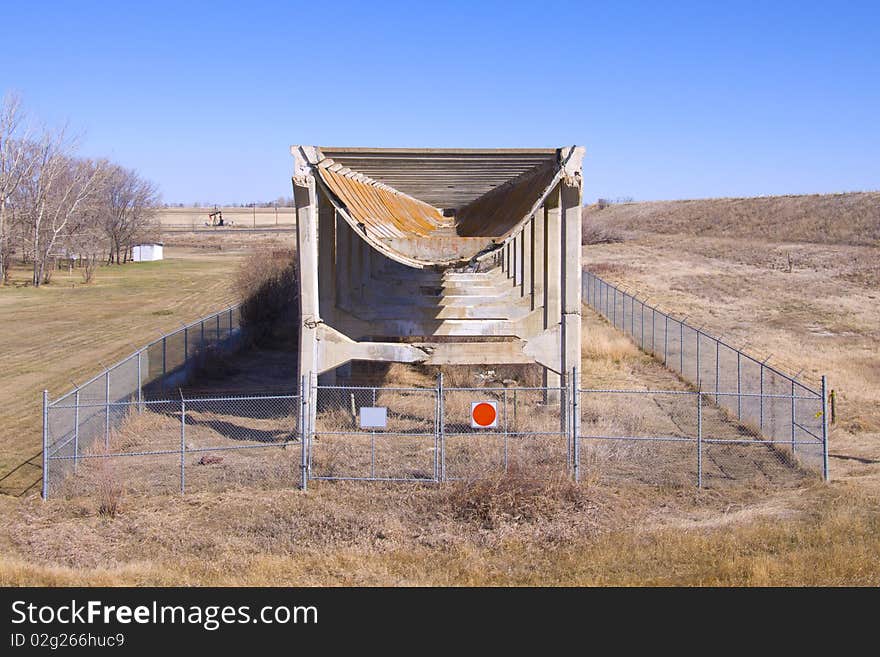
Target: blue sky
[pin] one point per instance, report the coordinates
(671, 100)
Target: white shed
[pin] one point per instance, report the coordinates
(146, 252)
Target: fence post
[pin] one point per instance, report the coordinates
(437, 431)
(107, 410)
(303, 439)
(442, 428)
(826, 475)
(761, 401)
(665, 338)
(739, 398)
(575, 424)
(603, 296)
(681, 347)
(653, 330)
(792, 419)
(182, 444)
(312, 419)
(632, 315)
(140, 383)
(504, 421)
(699, 371)
(642, 317)
(614, 310)
(75, 429)
(515, 418)
(699, 439)
(164, 360)
(373, 444)
(717, 368)
(44, 493)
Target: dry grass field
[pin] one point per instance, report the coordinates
(514, 529)
(58, 334)
(193, 217)
(810, 301)
(503, 530)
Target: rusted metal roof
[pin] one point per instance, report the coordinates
(380, 208)
(444, 177)
(497, 212)
(426, 207)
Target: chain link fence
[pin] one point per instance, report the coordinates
(428, 435)
(186, 444)
(86, 416)
(742, 421)
(674, 438)
(658, 437)
(762, 400)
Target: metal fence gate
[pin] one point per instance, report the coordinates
(677, 437)
(410, 434)
(428, 434)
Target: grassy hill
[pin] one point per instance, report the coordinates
(852, 218)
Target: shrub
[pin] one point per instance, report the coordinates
(593, 233)
(517, 496)
(268, 289)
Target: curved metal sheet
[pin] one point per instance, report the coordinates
(502, 187)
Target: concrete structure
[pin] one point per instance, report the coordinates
(439, 256)
(146, 252)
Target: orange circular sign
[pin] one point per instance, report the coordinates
(484, 414)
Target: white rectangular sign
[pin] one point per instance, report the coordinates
(374, 417)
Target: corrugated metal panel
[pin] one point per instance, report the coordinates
(497, 212)
(388, 213)
(445, 178)
(502, 188)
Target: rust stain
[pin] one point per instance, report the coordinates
(388, 213)
(399, 223)
(498, 211)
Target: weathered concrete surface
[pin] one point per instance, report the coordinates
(492, 251)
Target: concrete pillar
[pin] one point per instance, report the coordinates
(306, 200)
(354, 272)
(518, 259)
(538, 277)
(527, 247)
(327, 284)
(570, 202)
(552, 287)
(327, 260)
(343, 263)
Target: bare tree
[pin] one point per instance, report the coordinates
(53, 203)
(14, 167)
(129, 203)
(50, 197)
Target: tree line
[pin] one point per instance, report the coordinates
(55, 204)
(280, 202)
